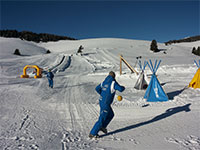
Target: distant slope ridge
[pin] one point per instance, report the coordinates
(188, 39)
(30, 36)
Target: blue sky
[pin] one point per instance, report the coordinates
(142, 20)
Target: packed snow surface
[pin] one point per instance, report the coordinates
(34, 116)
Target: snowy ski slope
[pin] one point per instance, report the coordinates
(33, 116)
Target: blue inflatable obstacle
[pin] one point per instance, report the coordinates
(155, 92)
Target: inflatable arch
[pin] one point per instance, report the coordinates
(38, 73)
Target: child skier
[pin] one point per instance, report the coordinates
(107, 92)
(50, 77)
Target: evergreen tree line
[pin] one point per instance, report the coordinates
(154, 48)
(189, 39)
(30, 36)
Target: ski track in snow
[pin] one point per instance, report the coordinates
(191, 142)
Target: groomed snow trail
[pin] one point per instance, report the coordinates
(44, 118)
(69, 100)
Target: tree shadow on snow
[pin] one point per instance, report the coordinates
(25, 55)
(171, 95)
(86, 54)
(167, 113)
(162, 84)
(162, 49)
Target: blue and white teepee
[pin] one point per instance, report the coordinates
(141, 83)
(155, 92)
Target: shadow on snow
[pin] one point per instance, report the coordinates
(167, 113)
(171, 95)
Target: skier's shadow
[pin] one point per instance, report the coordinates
(168, 113)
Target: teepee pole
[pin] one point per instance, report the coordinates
(154, 68)
(145, 64)
(140, 64)
(151, 66)
(198, 65)
(158, 65)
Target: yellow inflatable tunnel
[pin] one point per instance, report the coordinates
(38, 73)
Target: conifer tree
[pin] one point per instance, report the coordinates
(154, 46)
(17, 52)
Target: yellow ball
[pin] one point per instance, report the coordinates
(119, 98)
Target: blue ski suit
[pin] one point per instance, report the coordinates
(107, 92)
(50, 77)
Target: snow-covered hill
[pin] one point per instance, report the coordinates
(8, 46)
(33, 116)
